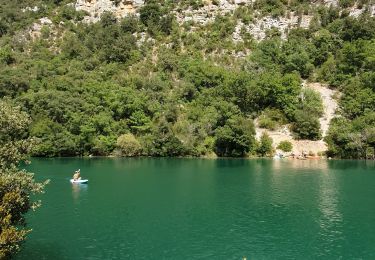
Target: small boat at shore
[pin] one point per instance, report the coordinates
(79, 181)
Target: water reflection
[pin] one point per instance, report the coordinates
(77, 189)
(331, 219)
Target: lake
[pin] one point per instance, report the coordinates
(150, 208)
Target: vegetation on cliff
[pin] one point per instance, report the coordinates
(153, 86)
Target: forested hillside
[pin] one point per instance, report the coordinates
(153, 83)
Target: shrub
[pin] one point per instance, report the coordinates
(16, 186)
(285, 146)
(129, 24)
(235, 138)
(311, 102)
(272, 119)
(265, 146)
(128, 145)
(346, 3)
(306, 126)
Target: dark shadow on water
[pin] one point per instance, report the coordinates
(351, 164)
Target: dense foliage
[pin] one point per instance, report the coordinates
(151, 86)
(16, 185)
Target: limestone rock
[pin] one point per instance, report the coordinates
(95, 8)
(31, 9)
(36, 28)
(210, 9)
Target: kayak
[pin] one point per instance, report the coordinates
(79, 181)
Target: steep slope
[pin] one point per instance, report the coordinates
(257, 22)
(187, 78)
(96, 8)
(329, 98)
(306, 146)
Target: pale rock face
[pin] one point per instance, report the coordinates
(207, 13)
(355, 11)
(241, 2)
(259, 27)
(36, 28)
(45, 21)
(96, 8)
(331, 2)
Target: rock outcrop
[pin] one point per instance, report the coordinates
(259, 28)
(210, 9)
(36, 28)
(95, 8)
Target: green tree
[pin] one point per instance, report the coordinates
(6, 56)
(285, 146)
(129, 24)
(265, 146)
(306, 126)
(271, 119)
(311, 102)
(235, 138)
(128, 145)
(16, 186)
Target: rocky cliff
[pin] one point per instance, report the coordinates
(208, 10)
(95, 8)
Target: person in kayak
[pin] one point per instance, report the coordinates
(76, 176)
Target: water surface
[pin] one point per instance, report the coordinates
(197, 209)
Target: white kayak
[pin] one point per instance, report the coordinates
(78, 181)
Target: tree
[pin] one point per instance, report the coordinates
(306, 126)
(16, 185)
(235, 138)
(311, 102)
(271, 119)
(128, 145)
(285, 146)
(265, 146)
(6, 55)
(107, 19)
(150, 13)
(129, 24)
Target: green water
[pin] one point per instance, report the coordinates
(200, 209)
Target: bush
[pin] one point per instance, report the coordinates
(311, 102)
(6, 56)
(150, 13)
(265, 146)
(272, 119)
(274, 7)
(16, 186)
(235, 138)
(306, 126)
(128, 145)
(285, 146)
(103, 145)
(129, 24)
(346, 3)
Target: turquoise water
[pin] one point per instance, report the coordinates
(198, 209)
